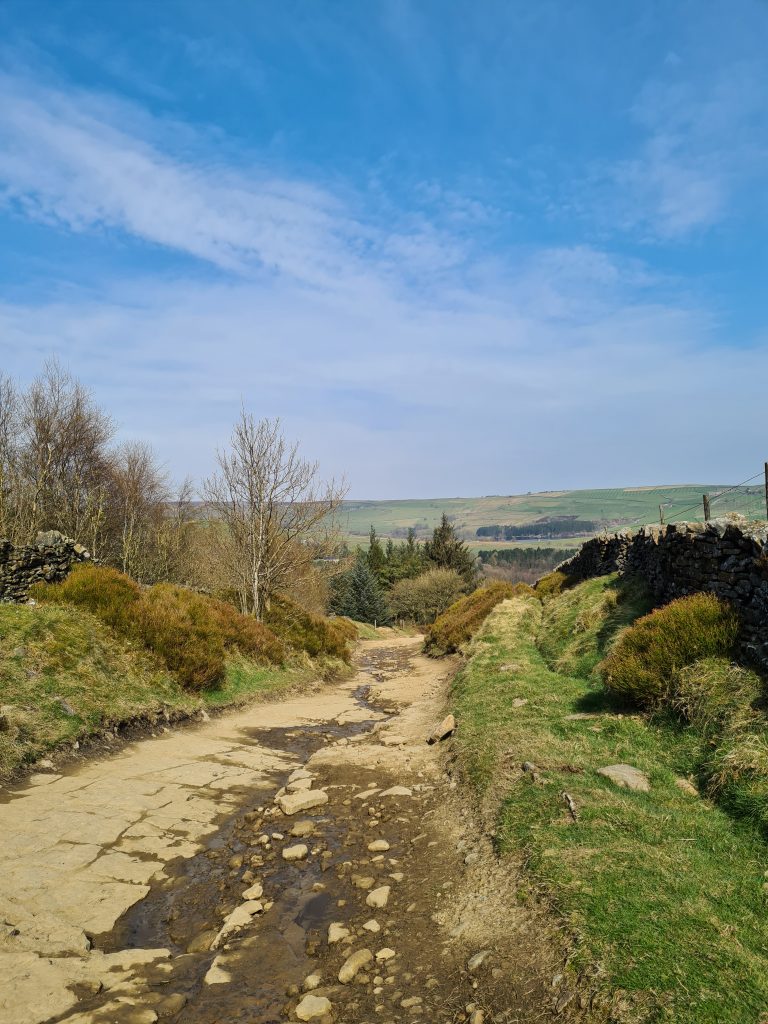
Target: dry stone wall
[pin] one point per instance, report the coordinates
(48, 560)
(724, 557)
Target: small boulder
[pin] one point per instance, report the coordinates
(303, 828)
(378, 846)
(476, 961)
(687, 787)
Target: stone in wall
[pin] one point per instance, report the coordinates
(48, 560)
(725, 557)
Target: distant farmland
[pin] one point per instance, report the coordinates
(614, 507)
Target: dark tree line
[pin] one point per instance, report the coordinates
(540, 531)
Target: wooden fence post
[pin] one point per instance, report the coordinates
(766, 490)
(661, 507)
(706, 508)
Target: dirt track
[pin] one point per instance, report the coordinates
(120, 878)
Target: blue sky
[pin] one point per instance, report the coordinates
(460, 248)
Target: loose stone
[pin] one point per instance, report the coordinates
(378, 846)
(626, 777)
(337, 932)
(292, 803)
(378, 898)
(297, 852)
(385, 954)
(312, 1007)
(352, 965)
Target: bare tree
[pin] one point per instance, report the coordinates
(11, 499)
(64, 457)
(273, 511)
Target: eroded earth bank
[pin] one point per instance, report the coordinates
(312, 860)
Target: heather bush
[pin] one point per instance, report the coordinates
(190, 633)
(458, 624)
(551, 584)
(645, 663)
(304, 631)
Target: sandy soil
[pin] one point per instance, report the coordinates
(153, 884)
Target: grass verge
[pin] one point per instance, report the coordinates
(65, 676)
(663, 891)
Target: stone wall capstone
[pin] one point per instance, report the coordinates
(48, 560)
(724, 557)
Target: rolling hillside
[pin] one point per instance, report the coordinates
(614, 507)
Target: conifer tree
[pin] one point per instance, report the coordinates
(376, 556)
(359, 594)
(446, 551)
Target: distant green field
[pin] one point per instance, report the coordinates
(618, 506)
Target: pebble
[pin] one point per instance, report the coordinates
(378, 898)
(353, 963)
(255, 892)
(297, 852)
(337, 932)
(363, 881)
(378, 846)
(372, 925)
(313, 1007)
(385, 954)
(311, 982)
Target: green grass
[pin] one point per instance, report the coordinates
(52, 655)
(663, 891)
(610, 504)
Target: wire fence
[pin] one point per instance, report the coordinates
(748, 499)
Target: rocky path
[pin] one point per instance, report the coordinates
(311, 860)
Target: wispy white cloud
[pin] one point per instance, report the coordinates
(703, 140)
(393, 351)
